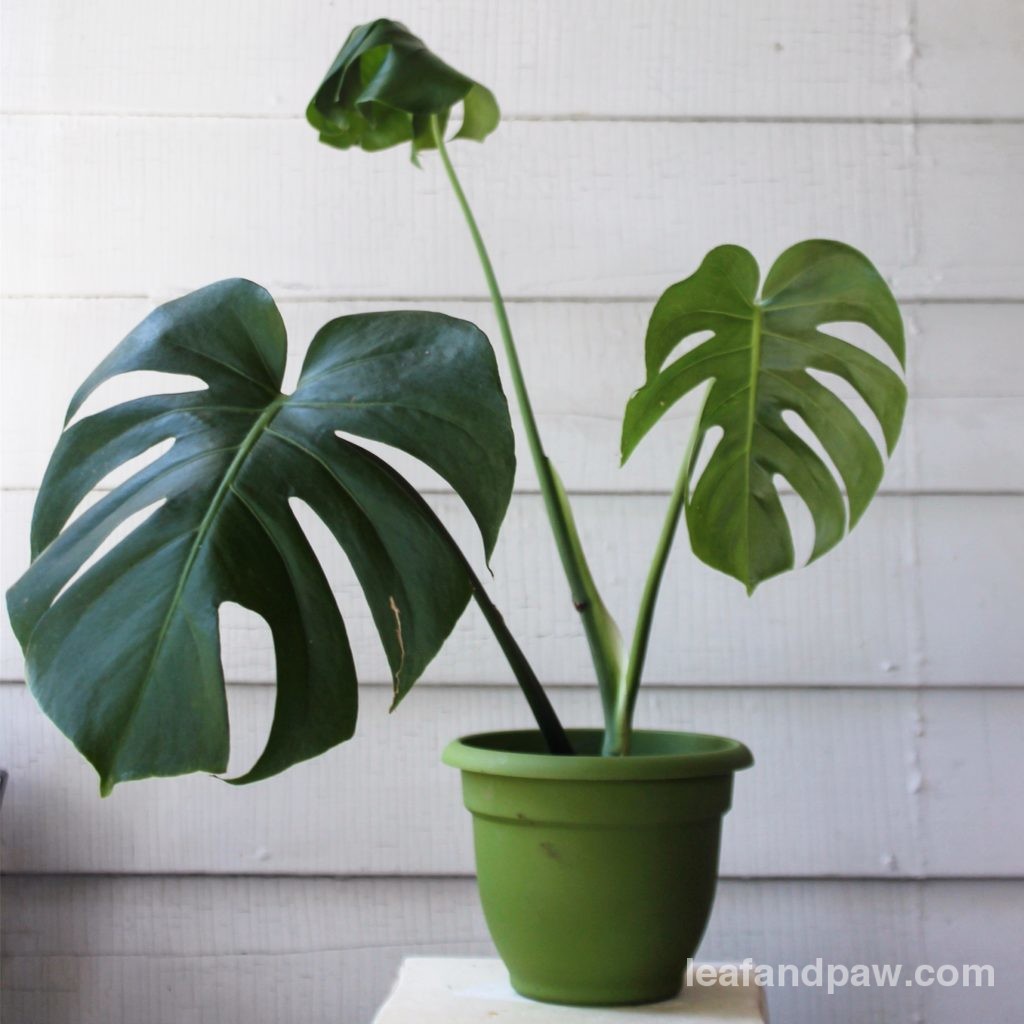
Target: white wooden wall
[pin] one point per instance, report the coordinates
(151, 148)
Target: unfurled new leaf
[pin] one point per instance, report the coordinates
(124, 653)
(758, 365)
(385, 85)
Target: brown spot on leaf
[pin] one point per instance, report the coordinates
(401, 643)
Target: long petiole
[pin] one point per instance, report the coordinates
(617, 739)
(602, 635)
(551, 729)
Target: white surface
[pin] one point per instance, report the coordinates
(149, 148)
(438, 990)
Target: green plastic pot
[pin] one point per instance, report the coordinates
(597, 874)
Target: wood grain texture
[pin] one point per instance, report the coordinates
(582, 361)
(267, 951)
(652, 58)
(135, 206)
(847, 783)
(912, 596)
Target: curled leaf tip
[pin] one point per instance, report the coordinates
(385, 85)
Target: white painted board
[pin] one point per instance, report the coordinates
(861, 783)
(135, 206)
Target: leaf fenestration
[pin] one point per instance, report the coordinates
(759, 363)
(125, 655)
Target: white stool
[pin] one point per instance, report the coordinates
(451, 990)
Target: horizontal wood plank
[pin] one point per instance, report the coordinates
(847, 783)
(112, 206)
(912, 595)
(266, 951)
(654, 58)
(582, 361)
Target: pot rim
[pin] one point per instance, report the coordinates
(495, 753)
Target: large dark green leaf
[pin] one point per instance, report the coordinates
(757, 365)
(383, 87)
(125, 658)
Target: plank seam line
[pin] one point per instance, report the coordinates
(896, 686)
(524, 300)
(583, 492)
(559, 119)
(242, 953)
(889, 879)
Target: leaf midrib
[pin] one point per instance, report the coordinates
(223, 489)
(755, 368)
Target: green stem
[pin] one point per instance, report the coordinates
(617, 739)
(602, 636)
(515, 369)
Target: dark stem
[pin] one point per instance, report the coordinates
(554, 735)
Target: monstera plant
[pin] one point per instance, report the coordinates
(386, 88)
(150, 700)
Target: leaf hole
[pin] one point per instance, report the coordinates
(687, 343)
(798, 518)
(433, 487)
(864, 338)
(247, 655)
(418, 474)
(848, 395)
(799, 426)
(370, 659)
(798, 515)
(712, 439)
(456, 118)
(122, 530)
(119, 474)
(126, 387)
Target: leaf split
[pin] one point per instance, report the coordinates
(758, 365)
(126, 658)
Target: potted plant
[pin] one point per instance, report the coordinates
(597, 849)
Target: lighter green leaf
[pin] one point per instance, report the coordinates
(758, 362)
